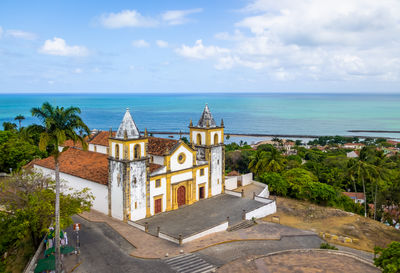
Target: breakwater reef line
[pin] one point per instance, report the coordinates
(373, 131)
(272, 135)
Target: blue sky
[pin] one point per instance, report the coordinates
(200, 46)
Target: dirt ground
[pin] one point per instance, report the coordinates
(304, 215)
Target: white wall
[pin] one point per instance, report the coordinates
(181, 177)
(99, 191)
(156, 192)
(121, 150)
(221, 227)
(99, 148)
(230, 182)
(175, 165)
(202, 180)
(216, 170)
(138, 190)
(262, 211)
(247, 179)
(158, 159)
(265, 192)
(219, 137)
(116, 190)
(131, 149)
(194, 137)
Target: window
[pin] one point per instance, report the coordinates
(181, 158)
(218, 162)
(215, 139)
(218, 181)
(135, 205)
(137, 151)
(198, 139)
(117, 151)
(158, 183)
(95, 148)
(134, 180)
(201, 172)
(151, 159)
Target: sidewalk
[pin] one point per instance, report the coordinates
(151, 247)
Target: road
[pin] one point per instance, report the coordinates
(104, 250)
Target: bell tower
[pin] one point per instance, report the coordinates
(208, 139)
(128, 189)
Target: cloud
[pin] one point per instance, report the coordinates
(59, 47)
(140, 43)
(161, 43)
(199, 51)
(311, 40)
(21, 34)
(178, 17)
(78, 71)
(126, 18)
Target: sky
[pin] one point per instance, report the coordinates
(336, 46)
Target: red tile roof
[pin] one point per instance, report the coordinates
(70, 143)
(84, 164)
(101, 138)
(357, 195)
(154, 167)
(159, 146)
(233, 173)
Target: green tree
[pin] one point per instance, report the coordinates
(20, 118)
(184, 139)
(59, 125)
(297, 179)
(16, 152)
(276, 183)
(9, 126)
(27, 199)
(258, 162)
(362, 171)
(388, 258)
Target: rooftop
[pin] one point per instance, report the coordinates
(84, 164)
(354, 195)
(206, 119)
(127, 128)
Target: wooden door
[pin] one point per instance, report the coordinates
(201, 193)
(181, 196)
(157, 206)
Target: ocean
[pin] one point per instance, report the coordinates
(291, 114)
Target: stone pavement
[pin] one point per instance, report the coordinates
(149, 246)
(249, 189)
(300, 261)
(200, 216)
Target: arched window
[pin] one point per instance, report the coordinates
(117, 151)
(137, 151)
(198, 139)
(215, 139)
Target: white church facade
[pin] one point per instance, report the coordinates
(133, 176)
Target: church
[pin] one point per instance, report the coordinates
(133, 176)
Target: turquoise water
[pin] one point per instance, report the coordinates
(311, 114)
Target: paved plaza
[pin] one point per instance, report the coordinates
(201, 215)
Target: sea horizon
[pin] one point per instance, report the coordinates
(250, 113)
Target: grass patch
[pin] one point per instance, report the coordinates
(308, 216)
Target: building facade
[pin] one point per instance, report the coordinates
(148, 175)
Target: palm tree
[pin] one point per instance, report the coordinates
(258, 162)
(58, 125)
(20, 118)
(362, 170)
(383, 168)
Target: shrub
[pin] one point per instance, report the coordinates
(327, 246)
